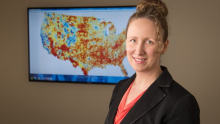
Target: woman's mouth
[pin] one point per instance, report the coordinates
(139, 60)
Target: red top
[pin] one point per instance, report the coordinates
(122, 109)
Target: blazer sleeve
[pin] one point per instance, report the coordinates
(186, 111)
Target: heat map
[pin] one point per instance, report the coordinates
(86, 42)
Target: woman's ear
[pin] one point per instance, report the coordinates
(166, 43)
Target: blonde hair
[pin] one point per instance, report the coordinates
(156, 11)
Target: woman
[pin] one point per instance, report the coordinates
(150, 96)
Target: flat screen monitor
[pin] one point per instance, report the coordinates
(78, 44)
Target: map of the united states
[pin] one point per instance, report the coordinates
(86, 42)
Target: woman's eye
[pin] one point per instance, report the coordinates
(150, 42)
(132, 40)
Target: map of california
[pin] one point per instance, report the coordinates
(86, 42)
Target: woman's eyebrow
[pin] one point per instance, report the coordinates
(132, 37)
(149, 38)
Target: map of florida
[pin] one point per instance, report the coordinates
(86, 42)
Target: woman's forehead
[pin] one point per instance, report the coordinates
(142, 28)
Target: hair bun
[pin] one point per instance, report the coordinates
(153, 7)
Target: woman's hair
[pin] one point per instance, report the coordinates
(156, 11)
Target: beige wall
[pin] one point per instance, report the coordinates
(192, 58)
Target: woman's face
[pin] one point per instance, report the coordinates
(142, 45)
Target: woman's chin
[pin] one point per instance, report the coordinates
(140, 69)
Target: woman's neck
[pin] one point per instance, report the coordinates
(148, 77)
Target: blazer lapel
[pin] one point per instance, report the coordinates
(149, 99)
(114, 107)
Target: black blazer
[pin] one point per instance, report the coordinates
(164, 102)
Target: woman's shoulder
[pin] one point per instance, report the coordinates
(177, 92)
(172, 88)
(125, 82)
(182, 103)
(120, 84)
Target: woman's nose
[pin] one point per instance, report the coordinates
(140, 49)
